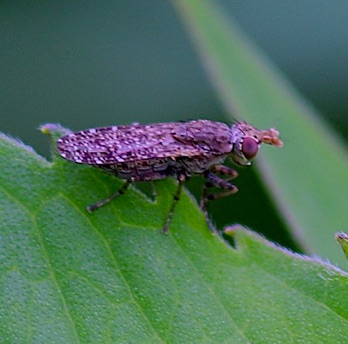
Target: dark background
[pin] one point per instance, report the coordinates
(88, 63)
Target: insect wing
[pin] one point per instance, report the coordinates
(108, 145)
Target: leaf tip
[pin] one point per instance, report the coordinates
(342, 239)
(53, 129)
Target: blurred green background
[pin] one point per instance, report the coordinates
(88, 63)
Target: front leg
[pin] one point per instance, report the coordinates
(212, 180)
(225, 171)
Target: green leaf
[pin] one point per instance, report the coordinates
(67, 276)
(308, 177)
(342, 239)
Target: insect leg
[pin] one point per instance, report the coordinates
(99, 204)
(214, 180)
(204, 202)
(220, 169)
(181, 180)
(225, 170)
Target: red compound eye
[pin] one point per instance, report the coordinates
(250, 148)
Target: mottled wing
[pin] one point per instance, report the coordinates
(116, 144)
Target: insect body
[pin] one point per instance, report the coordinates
(178, 149)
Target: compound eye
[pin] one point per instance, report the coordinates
(250, 147)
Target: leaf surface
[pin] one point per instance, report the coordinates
(67, 276)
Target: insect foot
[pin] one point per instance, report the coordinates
(151, 152)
